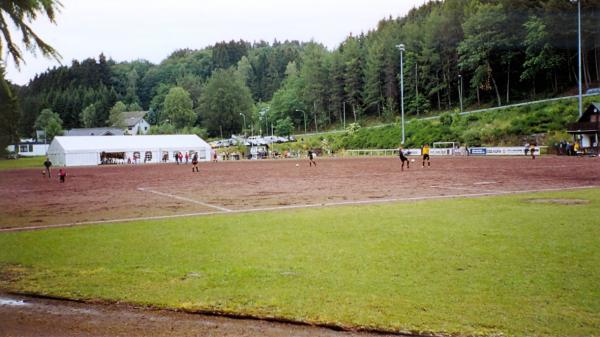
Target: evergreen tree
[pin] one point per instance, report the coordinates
(21, 13)
(354, 74)
(485, 38)
(9, 114)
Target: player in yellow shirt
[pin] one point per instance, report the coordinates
(425, 153)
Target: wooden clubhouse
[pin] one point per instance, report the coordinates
(587, 129)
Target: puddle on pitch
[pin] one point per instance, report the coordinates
(11, 302)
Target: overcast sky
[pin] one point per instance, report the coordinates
(125, 30)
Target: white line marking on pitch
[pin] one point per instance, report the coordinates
(453, 188)
(278, 208)
(465, 188)
(485, 183)
(184, 199)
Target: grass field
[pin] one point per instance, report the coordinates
(481, 266)
(24, 162)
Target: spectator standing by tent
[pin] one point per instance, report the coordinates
(532, 150)
(187, 157)
(180, 156)
(47, 165)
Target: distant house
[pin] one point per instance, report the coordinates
(95, 132)
(29, 148)
(134, 123)
(587, 128)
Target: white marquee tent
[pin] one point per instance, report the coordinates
(96, 150)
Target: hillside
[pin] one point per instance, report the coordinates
(543, 123)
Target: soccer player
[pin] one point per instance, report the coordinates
(195, 162)
(311, 158)
(62, 174)
(403, 158)
(47, 165)
(425, 153)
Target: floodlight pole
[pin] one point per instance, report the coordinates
(303, 114)
(344, 115)
(579, 53)
(402, 48)
(417, 87)
(460, 92)
(264, 113)
(241, 114)
(315, 111)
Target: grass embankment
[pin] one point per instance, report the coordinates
(487, 266)
(509, 126)
(23, 162)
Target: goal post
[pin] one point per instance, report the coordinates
(446, 148)
(445, 145)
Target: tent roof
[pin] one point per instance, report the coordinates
(129, 143)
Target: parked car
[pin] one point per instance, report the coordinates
(592, 91)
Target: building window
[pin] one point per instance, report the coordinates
(130, 128)
(24, 148)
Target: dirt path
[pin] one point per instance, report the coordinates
(27, 316)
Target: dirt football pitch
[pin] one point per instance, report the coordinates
(30, 200)
(95, 195)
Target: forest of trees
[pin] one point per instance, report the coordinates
(504, 50)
